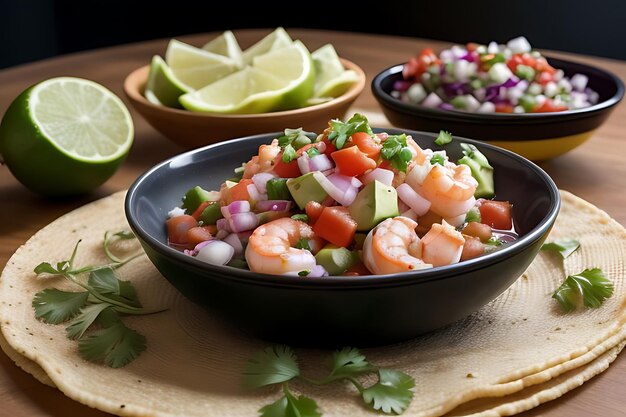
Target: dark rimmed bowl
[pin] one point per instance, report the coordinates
(537, 136)
(335, 311)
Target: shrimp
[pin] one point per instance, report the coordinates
(449, 188)
(442, 245)
(271, 248)
(393, 246)
(262, 162)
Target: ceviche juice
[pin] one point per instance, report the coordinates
(345, 202)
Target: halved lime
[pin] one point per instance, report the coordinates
(279, 38)
(162, 86)
(277, 80)
(332, 80)
(195, 68)
(226, 44)
(65, 136)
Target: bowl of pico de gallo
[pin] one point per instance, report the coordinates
(508, 94)
(351, 235)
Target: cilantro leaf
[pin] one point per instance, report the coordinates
(55, 306)
(105, 281)
(590, 287)
(290, 406)
(115, 346)
(564, 247)
(304, 273)
(272, 365)
(348, 362)
(303, 243)
(46, 268)
(341, 131)
(392, 393)
(79, 325)
(395, 150)
(443, 138)
(301, 217)
(295, 137)
(289, 154)
(438, 159)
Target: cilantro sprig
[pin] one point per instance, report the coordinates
(277, 365)
(443, 138)
(292, 140)
(104, 299)
(396, 150)
(564, 247)
(339, 131)
(589, 288)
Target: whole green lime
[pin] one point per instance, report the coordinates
(65, 136)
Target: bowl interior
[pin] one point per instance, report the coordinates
(608, 86)
(532, 192)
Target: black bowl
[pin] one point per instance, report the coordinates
(537, 136)
(335, 311)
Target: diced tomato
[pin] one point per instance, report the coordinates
(504, 108)
(196, 214)
(472, 248)
(352, 162)
(286, 170)
(336, 226)
(199, 234)
(496, 214)
(544, 77)
(416, 66)
(367, 144)
(514, 61)
(543, 66)
(385, 164)
(479, 230)
(313, 209)
(330, 148)
(471, 46)
(238, 191)
(528, 60)
(177, 228)
(549, 106)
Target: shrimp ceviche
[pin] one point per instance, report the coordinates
(345, 202)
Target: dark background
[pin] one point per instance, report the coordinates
(36, 29)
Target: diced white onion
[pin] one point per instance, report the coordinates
(260, 181)
(579, 82)
(303, 164)
(175, 212)
(384, 176)
(519, 45)
(216, 253)
(416, 93)
(432, 100)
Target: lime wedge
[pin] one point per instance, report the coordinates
(278, 80)
(279, 38)
(294, 65)
(226, 44)
(247, 91)
(195, 68)
(162, 86)
(332, 80)
(65, 136)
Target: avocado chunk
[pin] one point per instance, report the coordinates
(482, 171)
(336, 260)
(373, 204)
(194, 197)
(306, 188)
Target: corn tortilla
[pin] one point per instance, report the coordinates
(193, 363)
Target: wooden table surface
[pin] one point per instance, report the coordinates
(594, 171)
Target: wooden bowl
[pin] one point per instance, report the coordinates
(195, 129)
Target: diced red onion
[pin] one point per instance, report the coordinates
(303, 163)
(318, 271)
(384, 176)
(320, 162)
(342, 197)
(401, 85)
(446, 106)
(239, 206)
(221, 234)
(260, 181)
(216, 253)
(254, 193)
(273, 205)
(222, 224)
(243, 221)
(194, 251)
(416, 202)
(233, 240)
